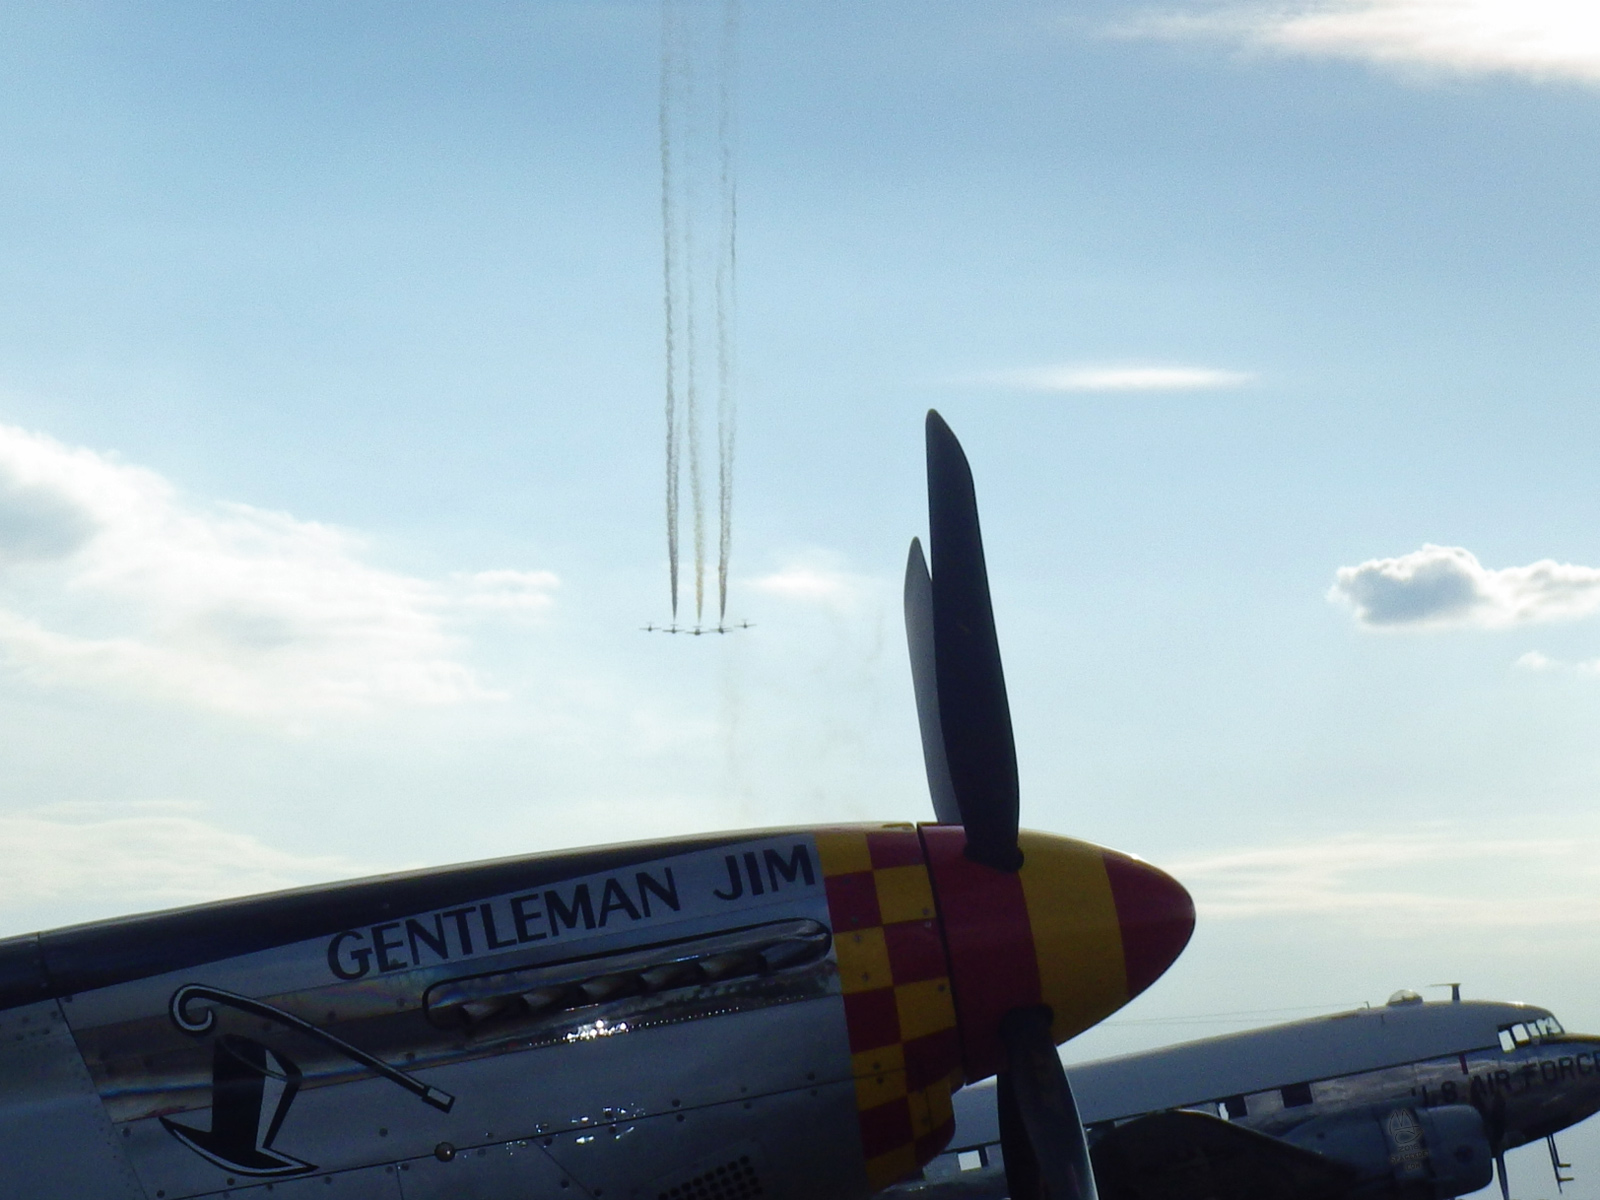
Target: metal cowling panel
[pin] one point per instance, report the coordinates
(82, 958)
(23, 979)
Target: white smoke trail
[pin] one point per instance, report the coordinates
(727, 295)
(669, 286)
(699, 232)
(694, 297)
(692, 392)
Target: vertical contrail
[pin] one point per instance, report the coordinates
(668, 280)
(692, 394)
(727, 309)
(694, 298)
(698, 235)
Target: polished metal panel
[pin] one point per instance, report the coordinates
(1532, 1091)
(1262, 1060)
(1443, 1149)
(513, 1170)
(100, 954)
(606, 1116)
(732, 1171)
(23, 979)
(802, 1144)
(661, 984)
(55, 1139)
(1268, 1112)
(370, 1183)
(374, 966)
(586, 1002)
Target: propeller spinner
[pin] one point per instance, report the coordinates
(1045, 935)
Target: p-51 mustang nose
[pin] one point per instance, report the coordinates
(1079, 928)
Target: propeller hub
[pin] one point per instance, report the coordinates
(1078, 928)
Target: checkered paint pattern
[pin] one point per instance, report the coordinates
(904, 1048)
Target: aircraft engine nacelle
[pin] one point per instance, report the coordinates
(1413, 1153)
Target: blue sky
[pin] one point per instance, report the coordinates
(330, 468)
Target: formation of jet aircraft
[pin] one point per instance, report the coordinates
(1412, 1099)
(780, 1013)
(697, 630)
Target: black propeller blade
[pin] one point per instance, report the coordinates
(1494, 1122)
(971, 759)
(974, 715)
(925, 682)
(1047, 1155)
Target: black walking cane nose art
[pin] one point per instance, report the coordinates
(252, 1085)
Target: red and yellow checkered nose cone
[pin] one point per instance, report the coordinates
(1079, 928)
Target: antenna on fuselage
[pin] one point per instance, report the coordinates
(1455, 991)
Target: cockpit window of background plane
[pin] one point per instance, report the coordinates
(1512, 1036)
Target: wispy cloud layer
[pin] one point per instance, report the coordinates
(1534, 660)
(1084, 378)
(110, 858)
(1542, 39)
(111, 578)
(1404, 879)
(1440, 586)
(814, 579)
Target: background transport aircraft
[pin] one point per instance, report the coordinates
(782, 1013)
(1412, 1099)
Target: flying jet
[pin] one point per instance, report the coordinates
(1410, 1100)
(697, 630)
(777, 1013)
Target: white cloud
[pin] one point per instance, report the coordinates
(1542, 39)
(1440, 586)
(812, 582)
(522, 591)
(1404, 879)
(113, 857)
(110, 578)
(1082, 378)
(1533, 660)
